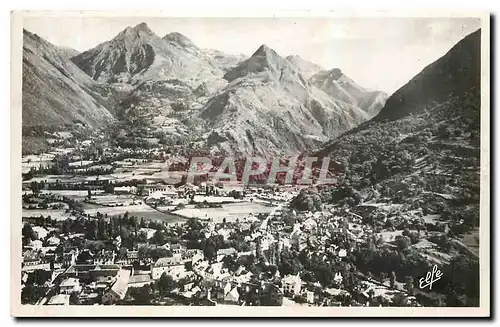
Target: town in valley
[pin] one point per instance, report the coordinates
(110, 217)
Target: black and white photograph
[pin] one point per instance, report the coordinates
(311, 164)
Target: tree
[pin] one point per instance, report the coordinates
(409, 284)
(399, 300)
(28, 234)
(142, 295)
(85, 257)
(402, 242)
(289, 263)
(444, 131)
(39, 277)
(371, 293)
(393, 279)
(209, 250)
(101, 229)
(383, 276)
(389, 223)
(91, 233)
(194, 224)
(229, 262)
(166, 284)
(73, 299)
(157, 253)
(35, 187)
(109, 188)
(31, 293)
(158, 238)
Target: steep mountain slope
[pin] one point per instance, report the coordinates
(138, 54)
(55, 91)
(68, 53)
(337, 85)
(416, 167)
(306, 68)
(269, 107)
(453, 111)
(222, 60)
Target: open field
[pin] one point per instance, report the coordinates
(111, 199)
(215, 199)
(140, 211)
(54, 214)
(431, 219)
(230, 211)
(72, 193)
(81, 163)
(50, 178)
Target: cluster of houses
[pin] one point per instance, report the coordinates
(106, 276)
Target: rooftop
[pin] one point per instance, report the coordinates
(70, 282)
(167, 261)
(139, 279)
(120, 287)
(59, 299)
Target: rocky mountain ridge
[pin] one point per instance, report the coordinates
(262, 104)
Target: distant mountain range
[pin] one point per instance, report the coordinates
(270, 107)
(265, 104)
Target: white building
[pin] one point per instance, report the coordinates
(53, 241)
(165, 190)
(310, 297)
(69, 258)
(172, 266)
(59, 299)
(310, 224)
(40, 231)
(140, 281)
(119, 288)
(149, 232)
(125, 190)
(292, 284)
(338, 278)
(70, 285)
(36, 244)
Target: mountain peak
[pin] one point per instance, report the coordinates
(263, 50)
(335, 73)
(266, 60)
(142, 26)
(138, 31)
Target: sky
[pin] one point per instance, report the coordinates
(378, 53)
